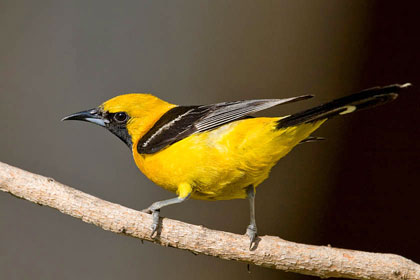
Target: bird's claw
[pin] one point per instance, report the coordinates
(147, 211)
(251, 231)
(155, 217)
(155, 223)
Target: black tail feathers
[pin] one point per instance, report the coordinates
(310, 139)
(365, 99)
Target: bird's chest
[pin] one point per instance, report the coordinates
(204, 161)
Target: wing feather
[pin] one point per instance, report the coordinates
(222, 113)
(183, 121)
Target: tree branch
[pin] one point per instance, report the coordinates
(271, 251)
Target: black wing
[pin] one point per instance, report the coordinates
(182, 121)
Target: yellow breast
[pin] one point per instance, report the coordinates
(221, 163)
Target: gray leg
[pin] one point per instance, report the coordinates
(251, 230)
(154, 209)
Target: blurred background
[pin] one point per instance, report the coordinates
(357, 190)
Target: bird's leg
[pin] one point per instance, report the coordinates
(251, 230)
(154, 209)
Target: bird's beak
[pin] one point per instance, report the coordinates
(91, 116)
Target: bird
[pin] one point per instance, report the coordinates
(217, 151)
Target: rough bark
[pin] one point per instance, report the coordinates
(272, 252)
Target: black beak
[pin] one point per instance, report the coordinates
(91, 116)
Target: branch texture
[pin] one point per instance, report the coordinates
(272, 252)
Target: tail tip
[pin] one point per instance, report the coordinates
(406, 85)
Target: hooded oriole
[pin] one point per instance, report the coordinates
(216, 151)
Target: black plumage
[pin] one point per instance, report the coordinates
(357, 101)
(183, 121)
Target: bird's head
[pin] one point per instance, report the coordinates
(128, 116)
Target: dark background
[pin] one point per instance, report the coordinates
(358, 190)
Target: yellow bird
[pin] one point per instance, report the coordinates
(217, 151)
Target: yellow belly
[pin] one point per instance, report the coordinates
(221, 163)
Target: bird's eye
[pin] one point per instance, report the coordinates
(120, 117)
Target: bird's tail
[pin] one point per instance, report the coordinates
(348, 104)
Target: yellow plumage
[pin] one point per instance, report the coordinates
(215, 165)
(221, 163)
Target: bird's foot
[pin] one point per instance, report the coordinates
(251, 231)
(155, 215)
